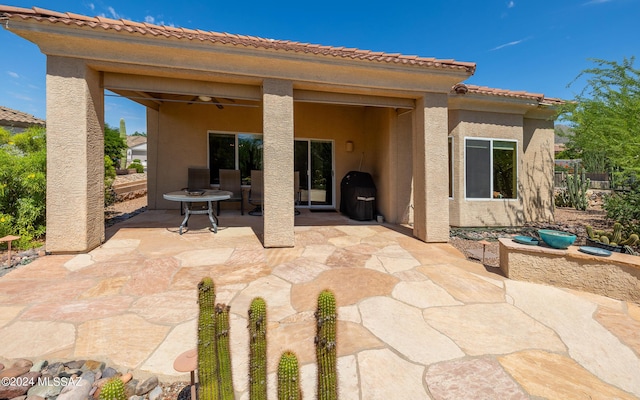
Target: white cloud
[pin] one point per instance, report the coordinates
(514, 43)
(511, 4)
(149, 19)
(92, 6)
(13, 74)
(113, 12)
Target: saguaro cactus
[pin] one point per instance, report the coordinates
(208, 374)
(289, 377)
(113, 390)
(325, 342)
(224, 352)
(258, 349)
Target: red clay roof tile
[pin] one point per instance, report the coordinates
(40, 14)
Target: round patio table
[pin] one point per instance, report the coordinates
(188, 197)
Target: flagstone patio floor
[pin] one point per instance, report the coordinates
(416, 320)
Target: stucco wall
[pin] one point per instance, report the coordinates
(492, 212)
(75, 156)
(537, 169)
(181, 142)
(178, 139)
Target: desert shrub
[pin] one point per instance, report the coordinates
(23, 185)
(624, 207)
(137, 166)
(109, 177)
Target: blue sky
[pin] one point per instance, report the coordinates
(535, 45)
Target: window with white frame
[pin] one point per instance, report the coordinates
(241, 151)
(491, 169)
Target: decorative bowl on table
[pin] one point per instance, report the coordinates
(197, 192)
(557, 239)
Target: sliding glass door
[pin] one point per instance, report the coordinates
(314, 162)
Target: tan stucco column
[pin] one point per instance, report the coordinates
(277, 121)
(75, 151)
(430, 184)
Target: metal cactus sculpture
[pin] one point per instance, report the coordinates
(223, 351)
(208, 374)
(214, 355)
(289, 377)
(325, 341)
(258, 349)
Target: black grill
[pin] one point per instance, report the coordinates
(358, 196)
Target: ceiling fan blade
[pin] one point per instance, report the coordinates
(217, 103)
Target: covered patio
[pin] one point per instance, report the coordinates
(416, 320)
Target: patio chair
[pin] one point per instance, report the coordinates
(230, 181)
(197, 179)
(255, 194)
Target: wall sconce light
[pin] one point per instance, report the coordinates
(348, 146)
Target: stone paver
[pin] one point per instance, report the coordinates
(588, 342)
(415, 320)
(492, 329)
(384, 375)
(403, 328)
(554, 376)
(127, 339)
(34, 339)
(480, 378)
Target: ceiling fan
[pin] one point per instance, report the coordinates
(212, 99)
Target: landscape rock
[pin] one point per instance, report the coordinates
(89, 376)
(11, 391)
(92, 365)
(75, 364)
(109, 372)
(155, 393)
(49, 390)
(130, 388)
(38, 365)
(78, 391)
(18, 368)
(146, 386)
(70, 373)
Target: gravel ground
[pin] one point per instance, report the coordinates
(566, 219)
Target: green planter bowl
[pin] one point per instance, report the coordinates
(556, 239)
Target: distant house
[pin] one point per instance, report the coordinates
(16, 121)
(137, 149)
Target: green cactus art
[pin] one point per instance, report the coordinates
(208, 375)
(258, 349)
(289, 377)
(325, 341)
(223, 351)
(113, 390)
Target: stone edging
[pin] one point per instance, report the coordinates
(617, 276)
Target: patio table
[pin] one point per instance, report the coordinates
(186, 197)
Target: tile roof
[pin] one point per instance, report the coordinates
(10, 117)
(132, 27)
(133, 141)
(462, 88)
